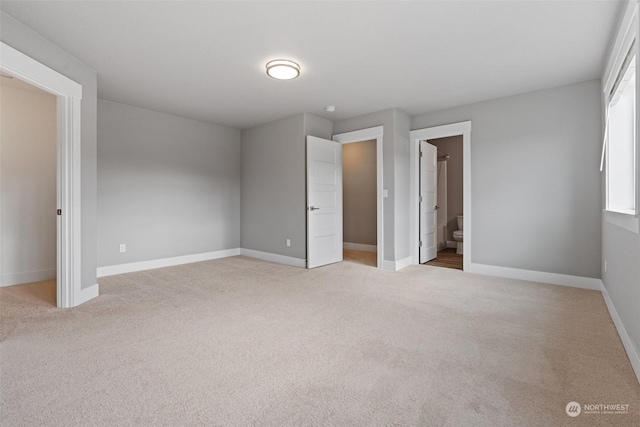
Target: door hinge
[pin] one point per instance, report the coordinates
(420, 199)
(420, 242)
(59, 212)
(420, 153)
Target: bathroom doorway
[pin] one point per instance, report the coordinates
(419, 140)
(449, 202)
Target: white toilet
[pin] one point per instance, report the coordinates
(457, 235)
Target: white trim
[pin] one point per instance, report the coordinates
(360, 247)
(69, 93)
(624, 38)
(415, 136)
(627, 221)
(376, 133)
(27, 277)
(632, 351)
(87, 293)
(165, 262)
(537, 276)
(280, 259)
(397, 265)
(22, 66)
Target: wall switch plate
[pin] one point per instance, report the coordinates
(123, 248)
(605, 266)
(288, 242)
(385, 193)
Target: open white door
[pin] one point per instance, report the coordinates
(324, 202)
(428, 200)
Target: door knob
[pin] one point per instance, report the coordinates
(311, 208)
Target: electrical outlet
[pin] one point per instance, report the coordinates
(123, 248)
(288, 242)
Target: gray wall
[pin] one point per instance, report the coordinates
(28, 140)
(273, 184)
(359, 192)
(453, 147)
(536, 193)
(22, 38)
(402, 177)
(168, 186)
(621, 250)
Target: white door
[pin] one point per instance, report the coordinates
(324, 202)
(428, 200)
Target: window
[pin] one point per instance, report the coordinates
(620, 150)
(621, 139)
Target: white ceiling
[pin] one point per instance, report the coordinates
(205, 60)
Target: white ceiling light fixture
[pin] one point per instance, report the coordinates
(330, 108)
(283, 69)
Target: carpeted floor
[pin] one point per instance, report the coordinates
(239, 341)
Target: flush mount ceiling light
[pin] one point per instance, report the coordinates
(283, 69)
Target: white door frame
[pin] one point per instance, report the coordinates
(454, 129)
(69, 94)
(366, 135)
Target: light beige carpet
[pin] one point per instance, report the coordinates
(239, 341)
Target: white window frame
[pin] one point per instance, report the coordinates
(627, 34)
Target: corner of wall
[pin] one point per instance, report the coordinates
(317, 126)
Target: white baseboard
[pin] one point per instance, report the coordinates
(360, 247)
(27, 277)
(165, 262)
(280, 259)
(537, 276)
(86, 294)
(396, 265)
(632, 351)
(452, 244)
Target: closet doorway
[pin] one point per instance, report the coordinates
(363, 195)
(68, 95)
(28, 143)
(359, 202)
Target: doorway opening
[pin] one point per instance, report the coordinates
(359, 202)
(325, 243)
(28, 171)
(363, 220)
(431, 230)
(449, 202)
(68, 95)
